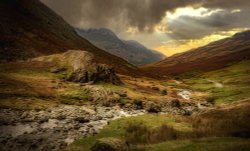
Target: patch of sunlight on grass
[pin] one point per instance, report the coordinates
(235, 80)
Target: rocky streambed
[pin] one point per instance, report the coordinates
(54, 128)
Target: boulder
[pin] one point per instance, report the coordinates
(81, 67)
(154, 108)
(102, 96)
(138, 104)
(110, 144)
(85, 69)
(82, 119)
(164, 92)
(175, 103)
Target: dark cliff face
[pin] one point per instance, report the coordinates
(132, 51)
(29, 29)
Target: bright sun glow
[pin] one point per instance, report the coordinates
(172, 47)
(189, 11)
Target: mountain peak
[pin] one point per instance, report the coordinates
(130, 50)
(31, 29)
(102, 31)
(243, 35)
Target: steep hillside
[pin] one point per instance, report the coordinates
(29, 29)
(131, 51)
(212, 56)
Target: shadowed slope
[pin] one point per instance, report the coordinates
(29, 29)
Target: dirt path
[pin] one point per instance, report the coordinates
(216, 84)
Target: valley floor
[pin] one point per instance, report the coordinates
(42, 111)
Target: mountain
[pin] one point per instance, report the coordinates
(30, 29)
(213, 56)
(131, 51)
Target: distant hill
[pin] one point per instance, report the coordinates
(213, 56)
(29, 28)
(131, 51)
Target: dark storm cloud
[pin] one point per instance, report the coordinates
(227, 4)
(189, 27)
(144, 14)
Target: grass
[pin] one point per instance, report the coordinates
(20, 85)
(30, 103)
(231, 120)
(44, 74)
(73, 95)
(235, 80)
(110, 86)
(117, 129)
(207, 144)
(122, 127)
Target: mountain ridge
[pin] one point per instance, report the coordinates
(213, 56)
(130, 50)
(30, 29)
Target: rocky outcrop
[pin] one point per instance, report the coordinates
(81, 67)
(100, 95)
(110, 144)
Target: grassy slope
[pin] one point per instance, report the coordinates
(118, 127)
(208, 144)
(35, 87)
(235, 80)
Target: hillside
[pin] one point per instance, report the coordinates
(132, 51)
(30, 29)
(213, 56)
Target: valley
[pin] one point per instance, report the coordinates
(43, 102)
(77, 86)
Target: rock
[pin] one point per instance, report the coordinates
(81, 120)
(84, 66)
(154, 108)
(187, 113)
(101, 95)
(110, 144)
(122, 93)
(175, 103)
(61, 117)
(164, 92)
(86, 70)
(138, 104)
(155, 88)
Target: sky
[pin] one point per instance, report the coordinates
(169, 26)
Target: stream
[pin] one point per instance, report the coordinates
(54, 128)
